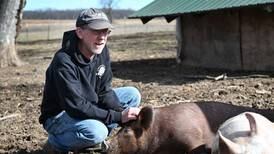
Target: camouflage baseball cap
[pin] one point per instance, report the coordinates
(94, 18)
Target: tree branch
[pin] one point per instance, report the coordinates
(9, 116)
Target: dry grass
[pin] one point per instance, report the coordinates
(53, 29)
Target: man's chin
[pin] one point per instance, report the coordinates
(97, 51)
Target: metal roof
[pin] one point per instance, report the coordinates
(159, 8)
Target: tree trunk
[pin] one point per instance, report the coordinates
(10, 17)
(108, 6)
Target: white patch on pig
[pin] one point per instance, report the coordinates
(238, 135)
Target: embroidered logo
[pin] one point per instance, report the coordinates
(101, 70)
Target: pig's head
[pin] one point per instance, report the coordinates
(134, 136)
(257, 140)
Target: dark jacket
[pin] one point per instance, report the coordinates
(80, 86)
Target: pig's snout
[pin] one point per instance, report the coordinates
(132, 137)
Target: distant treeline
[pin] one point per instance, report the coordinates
(68, 14)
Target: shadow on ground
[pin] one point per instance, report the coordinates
(167, 71)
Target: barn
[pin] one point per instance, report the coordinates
(223, 34)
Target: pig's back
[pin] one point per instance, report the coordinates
(184, 123)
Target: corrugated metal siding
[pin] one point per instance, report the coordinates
(175, 7)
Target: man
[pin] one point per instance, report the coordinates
(79, 107)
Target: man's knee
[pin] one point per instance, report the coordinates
(93, 132)
(99, 135)
(87, 133)
(136, 96)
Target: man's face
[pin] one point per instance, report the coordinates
(93, 41)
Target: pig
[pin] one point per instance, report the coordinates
(245, 133)
(176, 129)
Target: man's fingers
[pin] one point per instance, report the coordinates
(134, 111)
(130, 114)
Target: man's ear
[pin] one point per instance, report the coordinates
(79, 32)
(145, 116)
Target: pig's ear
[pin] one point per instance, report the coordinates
(252, 123)
(227, 145)
(146, 116)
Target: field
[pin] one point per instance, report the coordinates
(145, 60)
(33, 30)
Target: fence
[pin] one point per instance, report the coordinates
(33, 30)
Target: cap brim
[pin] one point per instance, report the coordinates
(102, 24)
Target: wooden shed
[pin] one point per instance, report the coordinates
(225, 34)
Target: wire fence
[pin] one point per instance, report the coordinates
(33, 30)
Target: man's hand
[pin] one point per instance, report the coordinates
(130, 114)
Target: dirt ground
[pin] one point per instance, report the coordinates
(146, 61)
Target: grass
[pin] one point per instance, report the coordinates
(33, 30)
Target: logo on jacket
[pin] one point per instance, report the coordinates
(101, 70)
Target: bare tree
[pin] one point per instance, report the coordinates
(108, 7)
(10, 17)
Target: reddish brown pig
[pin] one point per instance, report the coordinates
(178, 128)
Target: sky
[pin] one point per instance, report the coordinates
(83, 4)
